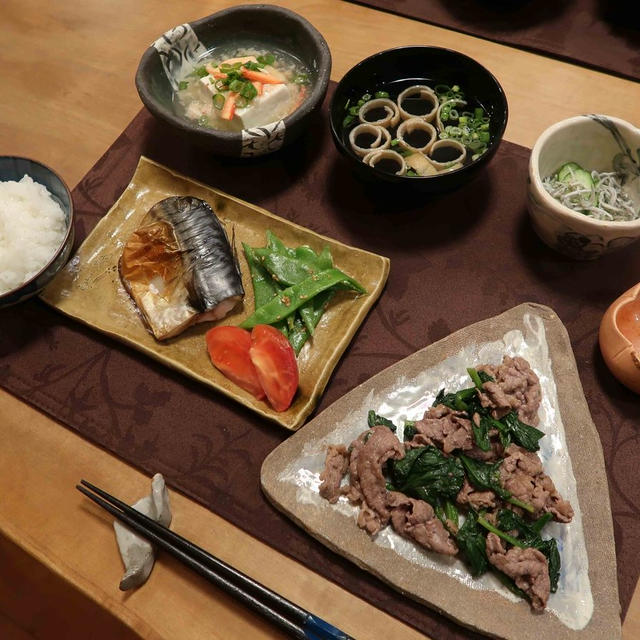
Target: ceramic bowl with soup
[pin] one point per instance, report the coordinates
(421, 117)
(242, 82)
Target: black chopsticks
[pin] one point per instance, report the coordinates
(295, 620)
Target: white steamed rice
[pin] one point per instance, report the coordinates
(32, 228)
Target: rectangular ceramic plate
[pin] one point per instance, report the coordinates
(89, 288)
(586, 605)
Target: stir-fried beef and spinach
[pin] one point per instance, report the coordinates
(465, 480)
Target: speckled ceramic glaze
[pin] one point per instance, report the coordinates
(592, 141)
(189, 42)
(14, 168)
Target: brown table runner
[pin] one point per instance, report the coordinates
(604, 34)
(454, 259)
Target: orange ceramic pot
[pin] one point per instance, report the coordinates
(620, 338)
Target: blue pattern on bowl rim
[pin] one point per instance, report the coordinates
(14, 168)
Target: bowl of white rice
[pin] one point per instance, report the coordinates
(36, 227)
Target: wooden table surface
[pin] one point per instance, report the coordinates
(67, 92)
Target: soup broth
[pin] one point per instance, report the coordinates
(417, 138)
(445, 154)
(241, 87)
(365, 140)
(417, 105)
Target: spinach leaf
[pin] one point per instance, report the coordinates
(374, 420)
(479, 377)
(447, 512)
(409, 430)
(472, 543)
(550, 549)
(451, 512)
(481, 432)
(456, 400)
(426, 473)
(510, 584)
(467, 400)
(484, 475)
(503, 432)
(523, 434)
(529, 535)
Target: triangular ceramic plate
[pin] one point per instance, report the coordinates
(89, 289)
(586, 604)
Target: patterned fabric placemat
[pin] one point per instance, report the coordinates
(594, 33)
(455, 259)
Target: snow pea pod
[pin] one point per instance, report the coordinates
(290, 271)
(291, 298)
(315, 308)
(275, 244)
(264, 288)
(298, 334)
(286, 271)
(317, 262)
(304, 253)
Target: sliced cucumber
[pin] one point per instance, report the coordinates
(584, 178)
(573, 172)
(566, 170)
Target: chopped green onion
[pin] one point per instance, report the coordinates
(301, 78)
(221, 85)
(201, 72)
(348, 120)
(366, 97)
(268, 59)
(227, 68)
(347, 103)
(354, 111)
(249, 91)
(479, 112)
(381, 94)
(236, 86)
(241, 101)
(411, 173)
(395, 142)
(182, 85)
(253, 66)
(218, 101)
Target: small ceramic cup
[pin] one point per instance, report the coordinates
(592, 141)
(620, 338)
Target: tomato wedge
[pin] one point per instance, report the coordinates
(275, 363)
(229, 351)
